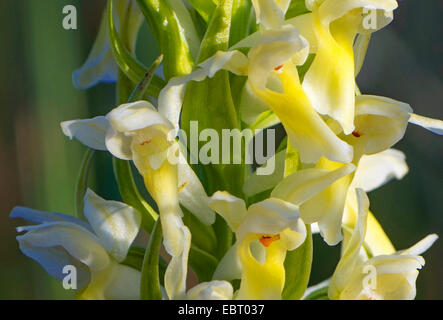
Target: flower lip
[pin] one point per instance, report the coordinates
(267, 240)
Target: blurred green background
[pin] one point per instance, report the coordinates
(38, 165)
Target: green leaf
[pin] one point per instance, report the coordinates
(82, 182)
(203, 263)
(203, 236)
(141, 88)
(150, 279)
(172, 37)
(241, 13)
(292, 161)
(134, 259)
(298, 269)
(130, 194)
(128, 64)
(204, 7)
(210, 104)
(296, 8)
(303, 69)
(319, 294)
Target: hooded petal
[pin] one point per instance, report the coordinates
(275, 216)
(116, 224)
(90, 132)
(375, 170)
(273, 49)
(379, 124)
(231, 208)
(135, 116)
(214, 290)
(118, 144)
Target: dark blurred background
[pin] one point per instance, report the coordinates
(38, 165)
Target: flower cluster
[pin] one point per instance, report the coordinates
(245, 235)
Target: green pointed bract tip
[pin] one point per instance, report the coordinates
(141, 88)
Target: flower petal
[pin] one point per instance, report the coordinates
(379, 124)
(44, 217)
(57, 244)
(376, 170)
(90, 132)
(175, 276)
(421, 246)
(350, 258)
(231, 208)
(273, 49)
(229, 267)
(271, 14)
(134, 116)
(191, 194)
(118, 144)
(305, 184)
(275, 216)
(433, 125)
(171, 97)
(214, 290)
(100, 65)
(376, 240)
(258, 183)
(115, 223)
(117, 282)
(125, 284)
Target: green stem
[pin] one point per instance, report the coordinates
(82, 182)
(150, 280)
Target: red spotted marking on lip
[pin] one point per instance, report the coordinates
(266, 241)
(183, 186)
(145, 142)
(356, 134)
(278, 68)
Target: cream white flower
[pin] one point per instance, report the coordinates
(272, 227)
(137, 131)
(100, 65)
(96, 249)
(393, 275)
